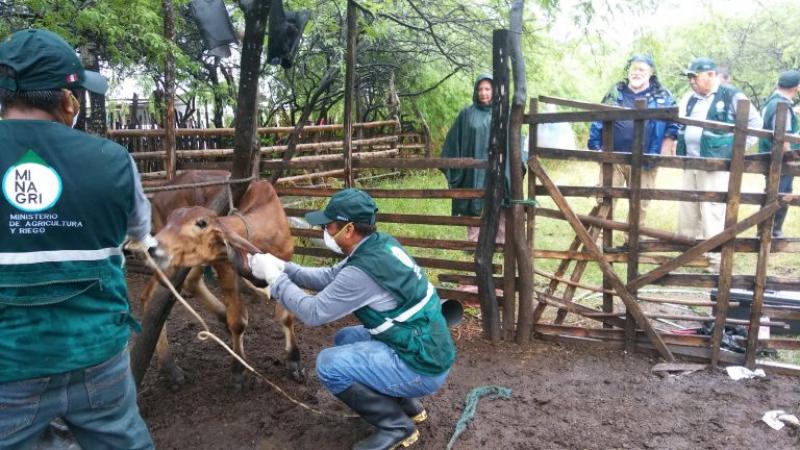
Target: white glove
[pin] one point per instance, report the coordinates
(143, 245)
(266, 266)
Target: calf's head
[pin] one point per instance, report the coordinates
(195, 236)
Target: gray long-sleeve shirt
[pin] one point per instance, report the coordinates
(139, 218)
(340, 291)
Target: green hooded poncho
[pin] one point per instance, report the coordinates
(469, 138)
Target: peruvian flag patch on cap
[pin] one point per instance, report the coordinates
(72, 78)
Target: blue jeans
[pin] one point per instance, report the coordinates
(98, 404)
(357, 357)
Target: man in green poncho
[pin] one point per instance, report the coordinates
(469, 138)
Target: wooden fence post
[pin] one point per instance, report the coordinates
(349, 88)
(169, 91)
(517, 230)
(495, 187)
(533, 144)
(731, 217)
(509, 280)
(607, 180)
(517, 233)
(765, 235)
(634, 214)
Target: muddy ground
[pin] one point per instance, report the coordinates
(564, 396)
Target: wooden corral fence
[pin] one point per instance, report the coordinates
(625, 324)
(317, 156)
(518, 312)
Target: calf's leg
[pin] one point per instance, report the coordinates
(236, 316)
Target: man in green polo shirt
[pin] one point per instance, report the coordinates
(709, 100)
(403, 348)
(788, 86)
(69, 199)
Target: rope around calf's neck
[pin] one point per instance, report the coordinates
(206, 334)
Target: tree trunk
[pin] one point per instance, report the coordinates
(96, 121)
(495, 181)
(245, 140)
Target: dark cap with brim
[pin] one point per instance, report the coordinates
(700, 65)
(647, 59)
(348, 205)
(789, 79)
(39, 60)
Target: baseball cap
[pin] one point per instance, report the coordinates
(348, 205)
(789, 79)
(647, 59)
(700, 65)
(40, 60)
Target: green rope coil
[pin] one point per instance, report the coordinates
(472, 403)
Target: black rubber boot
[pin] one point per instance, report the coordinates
(414, 409)
(394, 428)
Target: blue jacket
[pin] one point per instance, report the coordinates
(655, 130)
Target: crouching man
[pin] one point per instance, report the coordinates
(402, 350)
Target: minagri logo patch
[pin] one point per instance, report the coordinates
(31, 185)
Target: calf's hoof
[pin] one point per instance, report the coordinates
(297, 372)
(177, 376)
(238, 381)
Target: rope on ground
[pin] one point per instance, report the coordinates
(472, 403)
(207, 334)
(178, 187)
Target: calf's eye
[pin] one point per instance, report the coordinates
(201, 223)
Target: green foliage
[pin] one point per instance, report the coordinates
(755, 48)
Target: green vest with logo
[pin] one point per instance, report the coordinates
(65, 204)
(713, 143)
(765, 145)
(415, 329)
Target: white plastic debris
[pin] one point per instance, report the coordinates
(778, 418)
(739, 372)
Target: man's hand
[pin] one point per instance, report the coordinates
(143, 245)
(266, 266)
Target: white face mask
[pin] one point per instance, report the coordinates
(330, 242)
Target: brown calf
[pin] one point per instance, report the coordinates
(194, 236)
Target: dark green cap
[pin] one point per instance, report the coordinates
(348, 205)
(640, 57)
(39, 60)
(700, 65)
(789, 79)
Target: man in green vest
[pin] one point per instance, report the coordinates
(69, 199)
(708, 100)
(787, 89)
(402, 350)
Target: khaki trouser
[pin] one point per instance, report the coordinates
(705, 219)
(622, 177)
